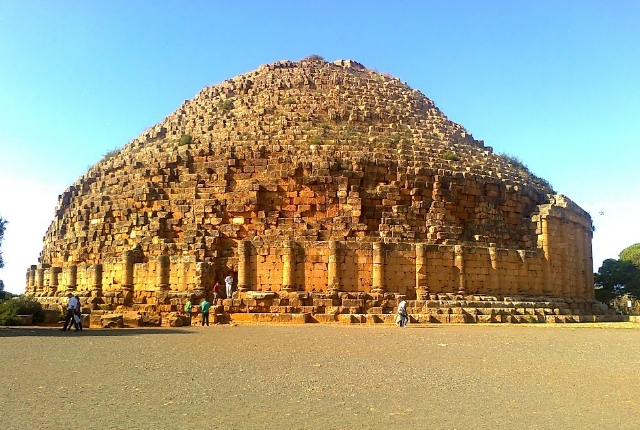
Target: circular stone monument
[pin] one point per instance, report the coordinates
(322, 189)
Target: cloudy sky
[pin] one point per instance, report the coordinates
(555, 83)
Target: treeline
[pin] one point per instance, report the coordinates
(11, 306)
(621, 277)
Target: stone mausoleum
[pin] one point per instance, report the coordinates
(329, 191)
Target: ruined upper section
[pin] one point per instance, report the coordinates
(307, 150)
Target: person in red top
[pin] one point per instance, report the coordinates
(216, 288)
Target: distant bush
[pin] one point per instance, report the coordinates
(515, 162)
(186, 139)
(225, 105)
(518, 164)
(448, 155)
(109, 155)
(315, 140)
(22, 305)
(314, 57)
(289, 101)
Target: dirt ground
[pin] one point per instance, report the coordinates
(322, 376)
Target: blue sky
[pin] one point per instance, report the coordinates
(555, 83)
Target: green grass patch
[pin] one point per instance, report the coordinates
(186, 139)
(225, 105)
(448, 155)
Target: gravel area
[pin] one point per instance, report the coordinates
(322, 376)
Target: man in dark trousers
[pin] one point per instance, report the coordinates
(71, 311)
(204, 308)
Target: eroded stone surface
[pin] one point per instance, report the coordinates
(325, 188)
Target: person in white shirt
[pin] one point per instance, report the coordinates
(403, 317)
(71, 310)
(229, 284)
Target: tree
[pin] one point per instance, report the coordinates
(3, 226)
(616, 278)
(631, 254)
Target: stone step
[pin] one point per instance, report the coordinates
(461, 318)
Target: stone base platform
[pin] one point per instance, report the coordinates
(342, 308)
(389, 319)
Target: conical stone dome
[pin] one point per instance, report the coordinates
(311, 150)
(308, 155)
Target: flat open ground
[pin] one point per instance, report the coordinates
(323, 376)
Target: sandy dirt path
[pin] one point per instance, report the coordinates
(322, 376)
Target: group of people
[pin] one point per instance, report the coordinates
(205, 306)
(74, 315)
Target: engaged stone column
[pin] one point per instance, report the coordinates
(565, 264)
(378, 286)
(422, 288)
(244, 259)
(578, 273)
(494, 279)
(163, 272)
(546, 288)
(333, 270)
(589, 292)
(40, 280)
(96, 279)
(523, 274)
(53, 279)
(128, 260)
(459, 264)
(288, 267)
(31, 279)
(72, 278)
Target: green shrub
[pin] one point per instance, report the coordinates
(22, 305)
(289, 101)
(315, 140)
(518, 164)
(448, 155)
(225, 105)
(109, 155)
(186, 139)
(515, 162)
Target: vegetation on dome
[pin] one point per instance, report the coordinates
(186, 139)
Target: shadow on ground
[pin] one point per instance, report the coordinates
(56, 332)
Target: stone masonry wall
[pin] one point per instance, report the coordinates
(412, 269)
(316, 177)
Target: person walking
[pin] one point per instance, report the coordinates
(229, 283)
(77, 316)
(71, 311)
(204, 309)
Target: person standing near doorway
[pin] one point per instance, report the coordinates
(216, 289)
(229, 284)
